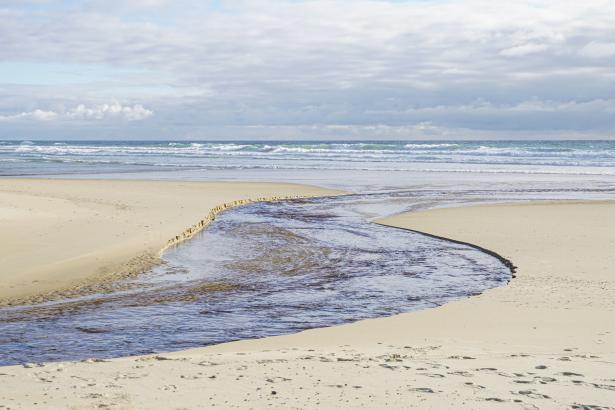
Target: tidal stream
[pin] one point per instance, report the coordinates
(261, 270)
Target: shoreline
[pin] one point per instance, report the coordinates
(105, 260)
(505, 261)
(201, 225)
(544, 340)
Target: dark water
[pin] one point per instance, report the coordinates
(260, 270)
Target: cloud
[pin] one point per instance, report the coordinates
(597, 49)
(38, 115)
(115, 110)
(210, 65)
(83, 113)
(524, 49)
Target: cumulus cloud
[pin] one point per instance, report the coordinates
(115, 110)
(82, 112)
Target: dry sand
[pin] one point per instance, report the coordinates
(61, 236)
(547, 340)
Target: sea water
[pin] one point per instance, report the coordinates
(386, 163)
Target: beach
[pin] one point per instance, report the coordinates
(545, 340)
(85, 233)
(379, 204)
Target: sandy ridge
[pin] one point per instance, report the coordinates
(62, 238)
(138, 264)
(191, 231)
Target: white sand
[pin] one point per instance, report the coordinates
(544, 341)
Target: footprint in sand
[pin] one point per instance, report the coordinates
(422, 390)
(589, 407)
(604, 386)
(461, 373)
(533, 394)
(474, 385)
(569, 374)
(433, 375)
(545, 380)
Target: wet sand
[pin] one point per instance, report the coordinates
(546, 340)
(62, 237)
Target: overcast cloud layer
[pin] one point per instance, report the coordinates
(307, 69)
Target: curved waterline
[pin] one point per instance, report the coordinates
(259, 270)
(138, 264)
(505, 261)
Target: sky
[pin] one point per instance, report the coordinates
(313, 69)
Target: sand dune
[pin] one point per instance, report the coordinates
(547, 340)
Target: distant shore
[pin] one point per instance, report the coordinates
(545, 340)
(60, 237)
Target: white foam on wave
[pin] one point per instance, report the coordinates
(428, 146)
(575, 158)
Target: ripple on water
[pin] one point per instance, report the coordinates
(259, 270)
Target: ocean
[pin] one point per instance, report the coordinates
(532, 157)
(355, 166)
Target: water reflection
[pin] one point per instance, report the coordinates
(260, 270)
